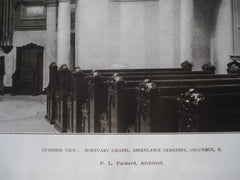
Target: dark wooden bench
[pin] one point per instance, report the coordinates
(50, 91)
(97, 88)
(77, 96)
(64, 101)
(66, 94)
(97, 101)
(122, 97)
(61, 94)
(157, 109)
(233, 67)
(201, 111)
(120, 89)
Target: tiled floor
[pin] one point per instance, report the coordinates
(24, 114)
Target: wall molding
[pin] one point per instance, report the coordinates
(30, 15)
(51, 3)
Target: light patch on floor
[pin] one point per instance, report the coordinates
(24, 114)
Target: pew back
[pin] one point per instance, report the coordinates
(97, 87)
(218, 111)
(122, 97)
(158, 110)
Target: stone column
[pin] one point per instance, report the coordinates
(51, 38)
(51, 30)
(63, 35)
(186, 30)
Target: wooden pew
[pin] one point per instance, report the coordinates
(67, 104)
(233, 67)
(122, 98)
(97, 101)
(193, 75)
(69, 110)
(69, 97)
(207, 112)
(61, 95)
(77, 96)
(116, 92)
(97, 95)
(157, 107)
(113, 95)
(50, 91)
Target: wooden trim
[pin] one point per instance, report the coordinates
(26, 21)
(51, 3)
(30, 85)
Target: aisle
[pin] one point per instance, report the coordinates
(24, 114)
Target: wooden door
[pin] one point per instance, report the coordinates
(27, 78)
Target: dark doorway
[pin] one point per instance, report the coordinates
(27, 78)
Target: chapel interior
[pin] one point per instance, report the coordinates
(98, 66)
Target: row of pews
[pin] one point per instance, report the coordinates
(144, 100)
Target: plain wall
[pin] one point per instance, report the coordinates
(8, 59)
(152, 34)
(22, 38)
(140, 35)
(222, 36)
(201, 33)
(127, 34)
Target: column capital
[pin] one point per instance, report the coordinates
(50, 3)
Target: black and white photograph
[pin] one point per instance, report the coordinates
(120, 80)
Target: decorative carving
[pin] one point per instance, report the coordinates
(192, 96)
(7, 49)
(233, 67)
(146, 88)
(186, 65)
(95, 80)
(116, 77)
(115, 81)
(190, 125)
(53, 77)
(64, 78)
(112, 101)
(77, 69)
(63, 68)
(69, 103)
(79, 84)
(32, 45)
(209, 67)
(105, 125)
(143, 111)
(77, 74)
(91, 89)
(53, 65)
(96, 74)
